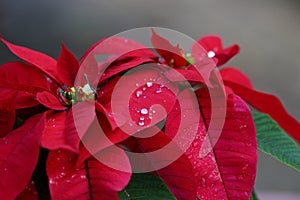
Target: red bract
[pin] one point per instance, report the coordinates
(131, 94)
(215, 50)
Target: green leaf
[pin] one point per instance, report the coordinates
(145, 186)
(275, 142)
(254, 196)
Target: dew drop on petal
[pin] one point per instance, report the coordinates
(142, 118)
(141, 123)
(149, 84)
(211, 54)
(158, 91)
(144, 111)
(138, 93)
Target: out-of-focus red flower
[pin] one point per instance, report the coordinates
(214, 47)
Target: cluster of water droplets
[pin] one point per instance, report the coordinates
(142, 92)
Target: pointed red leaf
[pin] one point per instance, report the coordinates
(98, 138)
(29, 193)
(67, 66)
(173, 55)
(216, 179)
(121, 53)
(54, 135)
(177, 174)
(50, 101)
(269, 104)
(235, 75)
(16, 167)
(91, 180)
(264, 102)
(23, 79)
(7, 113)
(213, 44)
(141, 99)
(35, 58)
(202, 64)
(122, 65)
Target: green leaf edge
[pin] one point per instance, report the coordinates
(148, 184)
(287, 151)
(254, 196)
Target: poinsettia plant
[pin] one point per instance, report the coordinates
(51, 111)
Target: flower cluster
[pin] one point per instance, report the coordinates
(51, 111)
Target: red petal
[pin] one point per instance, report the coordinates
(92, 180)
(203, 64)
(118, 50)
(226, 54)
(233, 74)
(97, 139)
(23, 79)
(216, 177)
(7, 113)
(54, 136)
(49, 100)
(67, 66)
(141, 99)
(269, 104)
(19, 155)
(29, 193)
(214, 43)
(37, 59)
(122, 66)
(184, 75)
(211, 43)
(173, 55)
(177, 175)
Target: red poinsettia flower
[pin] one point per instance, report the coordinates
(63, 102)
(242, 86)
(47, 82)
(214, 47)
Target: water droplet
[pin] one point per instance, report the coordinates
(158, 91)
(164, 101)
(142, 118)
(154, 111)
(51, 181)
(245, 167)
(83, 177)
(144, 111)
(73, 176)
(137, 84)
(149, 84)
(5, 140)
(195, 143)
(203, 181)
(243, 126)
(211, 54)
(141, 123)
(138, 93)
(249, 144)
(144, 89)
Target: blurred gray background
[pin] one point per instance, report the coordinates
(268, 33)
